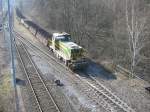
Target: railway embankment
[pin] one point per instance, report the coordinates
(129, 90)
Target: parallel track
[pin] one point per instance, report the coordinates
(44, 99)
(112, 101)
(94, 89)
(120, 69)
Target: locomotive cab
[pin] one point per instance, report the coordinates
(57, 37)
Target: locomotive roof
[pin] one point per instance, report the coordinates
(60, 34)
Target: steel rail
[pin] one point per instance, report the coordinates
(24, 69)
(128, 72)
(31, 85)
(113, 98)
(110, 95)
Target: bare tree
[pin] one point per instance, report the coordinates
(99, 26)
(135, 27)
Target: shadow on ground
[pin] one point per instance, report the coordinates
(20, 82)
(97, 70)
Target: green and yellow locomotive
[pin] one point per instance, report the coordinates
(66, 50)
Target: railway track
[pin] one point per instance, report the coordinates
(111, 100)
(43, 98)
(94, 89)
(120, 69)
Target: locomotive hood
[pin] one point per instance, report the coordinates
(72, 45)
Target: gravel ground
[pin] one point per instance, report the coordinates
(76, 98)
(63, 104)
(130, 91)
(24, 92)
(72, 91)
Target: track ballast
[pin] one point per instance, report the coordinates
(43, 98)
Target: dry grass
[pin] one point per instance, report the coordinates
(6, 99)
(5, 85)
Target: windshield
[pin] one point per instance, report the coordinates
(64, 37)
